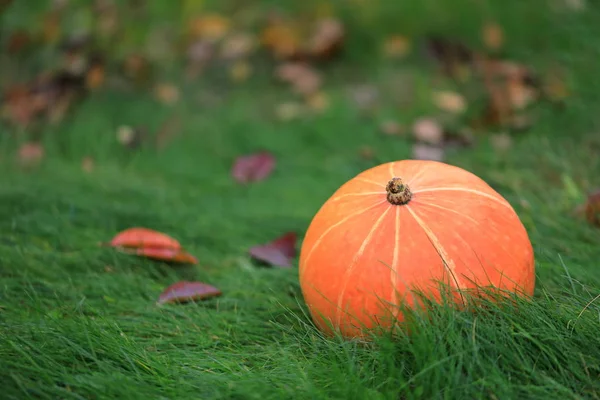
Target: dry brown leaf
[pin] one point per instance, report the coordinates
(428, 130)
(396, 46)
(210, 27)
(318, 102)
(493, 36)
(423, 151)
(281, 39)
(327, 38)
(450, 101)
(391, 128)
(166, 93)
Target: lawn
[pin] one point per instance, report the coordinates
(80, 321)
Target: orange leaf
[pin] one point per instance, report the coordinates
(185, 291)
(166, 254)
(279, 252)
(592, 208)
(143, 237)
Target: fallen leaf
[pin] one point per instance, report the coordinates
(210, 27)
(166, 93)
(304, 79)
(428, 130)
(240, 71)
(327, 39)
(391, 128)
(592, 208)
(95, 76)
(427, 152)
(130, 137)
(166, 254)
(396, 46)
(453, 57)
(253, 167)
(184, 291)
(282, 39)
(364, 96)
(493, 36)
(318, 102)
(279, 252)
(87, 164)
(289, 110)
(237, 46)
(31, 153)
(449, 101)
(366, 153)
(138, 237)
(501, 141)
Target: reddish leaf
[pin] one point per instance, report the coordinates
(254, 167)
(166, 254)
(592, 208)
(278, 252)
(143, 237)
(185, 291)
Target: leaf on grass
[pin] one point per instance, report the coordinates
(138, 237)
(493, 36)
(428, 130)
(396, 46)
(87, 164)
(279, 252)
(240, 71)
(391, 128)
(237, 46)
(167, 254)
(304, 79)
(428, 152)
(327, 38)
(449, 101)
(184, 291)
(253, 167)
(31, 153)
(592, 208)
(166, 93)
(211, 27)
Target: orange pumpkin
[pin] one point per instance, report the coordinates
(404, 226)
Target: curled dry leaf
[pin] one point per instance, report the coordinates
(427, 152)
(279, 252)
(449, 101)
(428, 130)
(184, 291)
(138, 237)
(592, 208)
(166, 254)
(253, 167)
(282, 39)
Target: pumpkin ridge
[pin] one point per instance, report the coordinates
(318, 241)
(394, 266)
(370, 181)
(421, 203)
(358, 254)
(459, 189)
(392, 173)
(356, 194)
(439, 248)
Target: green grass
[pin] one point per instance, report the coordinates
(80, 321)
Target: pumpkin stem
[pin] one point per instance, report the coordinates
(397, 192)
